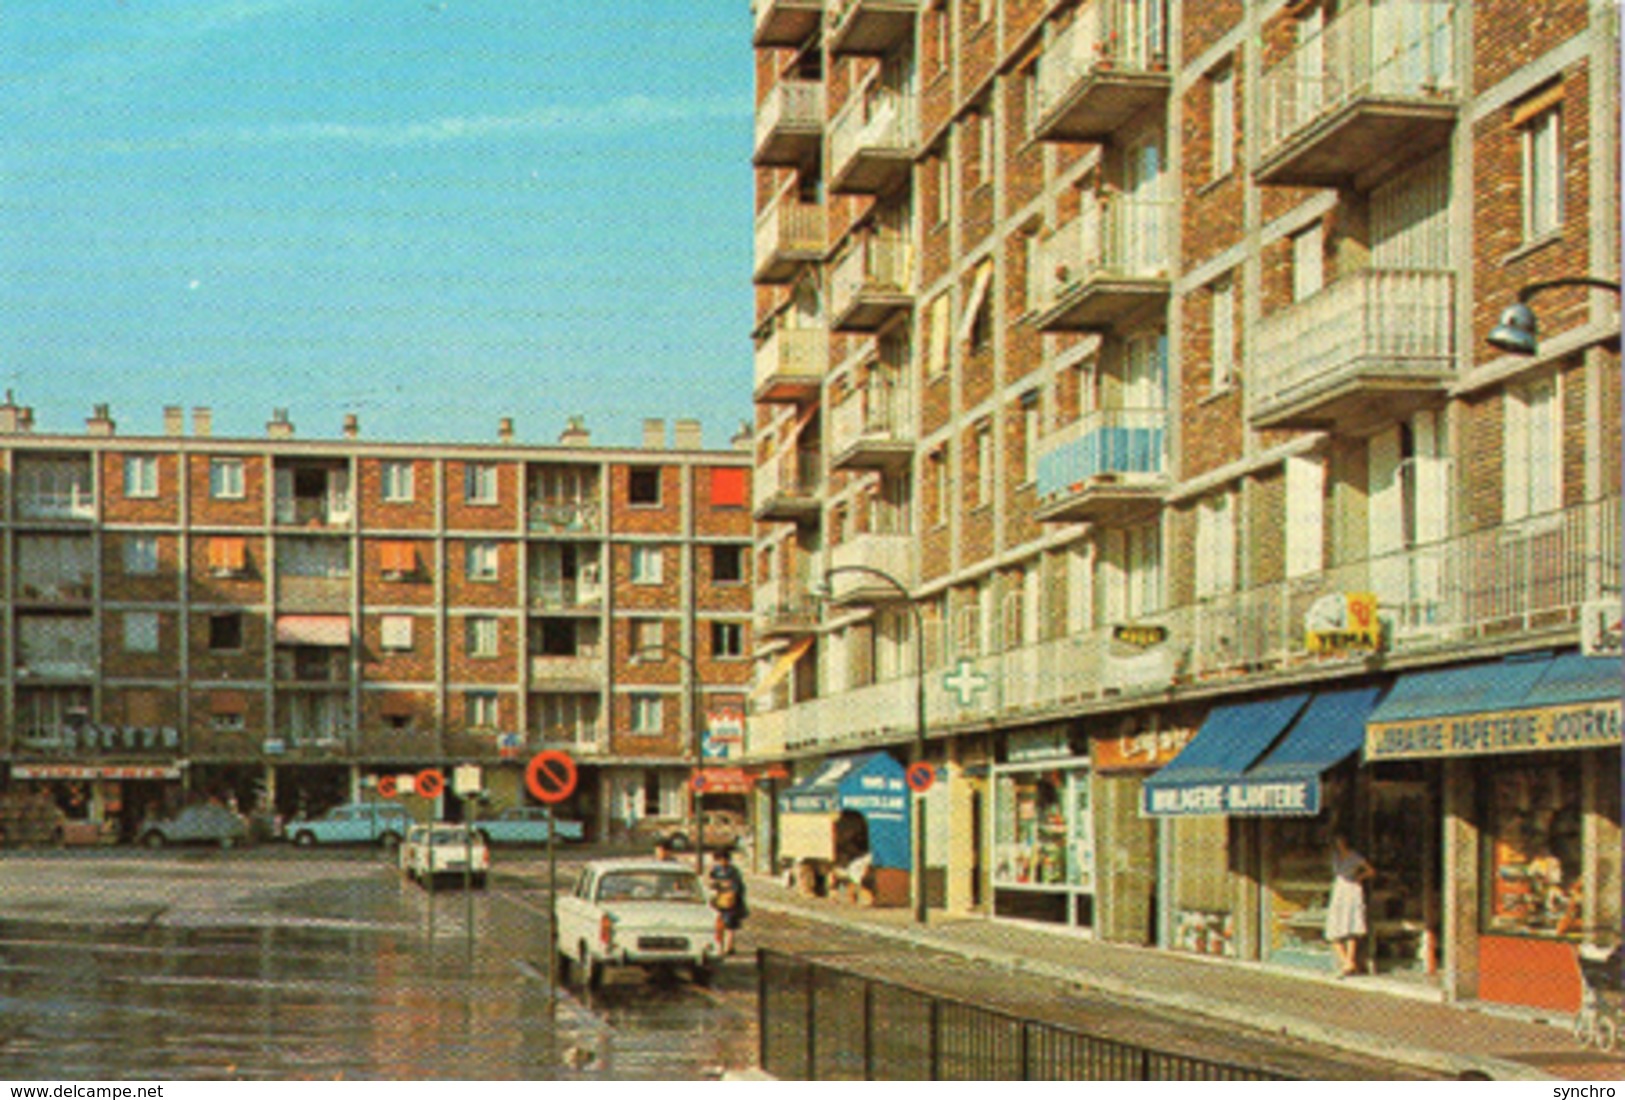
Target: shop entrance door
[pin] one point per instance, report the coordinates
(1403, 902)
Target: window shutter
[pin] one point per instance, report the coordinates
(729, 487)
(1386, 517)
(1515, 465)
(1305, 515)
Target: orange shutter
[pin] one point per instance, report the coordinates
(397, 557)
(228, 553)
(729, 487)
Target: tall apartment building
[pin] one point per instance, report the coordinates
(1143, 346)
(283, 621)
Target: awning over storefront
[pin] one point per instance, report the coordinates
(323, 630)
(96, 771)
(1287, 781)
(1520, 704)
(1232, 738)
(870, 785)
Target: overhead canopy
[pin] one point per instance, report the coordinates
(1230, 741)
(871, 785)
(323, 630)
(1286, 782)
(1520, 704)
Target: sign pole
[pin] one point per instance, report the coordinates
(552, 912)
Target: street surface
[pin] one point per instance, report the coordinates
(280, 964)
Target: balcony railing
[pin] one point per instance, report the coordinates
(789, 233)
(872, 142)
(893, 554)
(1372, 336)
(580, 736)
(790, 122)
(87, 739)
(582, 668)
(66, 504)
(565, 516)
(874, 427)
(562, 595)
(1102, 69)
(331, 510)
(65, 588)
(784, 22)
(1106, 465)
(1106, 267)
(786, 486)
(790, 364)
(871, 284)
(1378, 82)
(1507, 584)
(870, 26)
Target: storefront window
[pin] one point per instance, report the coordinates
(1043, 844)
(1534, 857)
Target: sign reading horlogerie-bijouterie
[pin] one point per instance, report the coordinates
(1583, 726)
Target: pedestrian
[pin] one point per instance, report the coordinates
(1345, 912)
(728, 898)
(662, 851)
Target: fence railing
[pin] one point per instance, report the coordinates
(875, 265)
(874, 120)
(820, 1023)
(792, 353)
(1113, 236)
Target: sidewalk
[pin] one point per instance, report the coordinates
(1376, 1018)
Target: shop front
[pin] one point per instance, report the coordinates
(851, 811)
(1126, 851)
(86, 803)
(1043, 832)
(1527, 755)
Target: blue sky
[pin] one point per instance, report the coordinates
(432, 213)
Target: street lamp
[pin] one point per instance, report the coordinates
(1516, 331)
(826, 589)
(658, 651)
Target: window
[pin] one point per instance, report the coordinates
(226, 632)
(140, 476)
(480, 483)
(984, 463)
(1031, 422)
(727, 640)
(939, 481)
(1224, 335)
(480, 709)
(398, 482)
(1029, 99)
(944, 189)
(226, 478)
(1542, 174)
(323, 558)
(1224, 122)
(140, 632)
(482, 561)
(481, 635)
(647, 714)
(648, 634)
(395, 632)
(141, 555)
(982, 120)
(727, 564)
(1532, 450)
(977, 325)
(643, 485)
(1215, 546)
(1308, 262)
(647, 564)
(937, 350)
(1305, 515)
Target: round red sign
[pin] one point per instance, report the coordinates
(551, 775)
(920, 777)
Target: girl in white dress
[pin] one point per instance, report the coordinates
(1345, 913)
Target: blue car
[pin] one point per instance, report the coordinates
(525, 825)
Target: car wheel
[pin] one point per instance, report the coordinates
(305, 839)
(153, 839)
(227, 843)
(704, 975)
(389, 842)
(1606, 1037)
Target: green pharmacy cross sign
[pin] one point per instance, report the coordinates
(965, 682)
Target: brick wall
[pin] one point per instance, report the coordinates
(465, 515)
(462, 667)
(398, 665)
(249, 511)
(1204, 23)
(1508, 34)
(417, 514)
(119, 586)
(664, 518)
(414, 589)
(119, 508)
(465, 591)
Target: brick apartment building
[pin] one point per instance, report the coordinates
(282, 622)
(1143, 345)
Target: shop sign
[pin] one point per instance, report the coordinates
(1141, 751)
(1582, 726)
(724, 729)
(722, 781)
(1602, 633)
(95, 771)
(1139, 635)
(1342, 622)
(1236, 798)
(1037, 745)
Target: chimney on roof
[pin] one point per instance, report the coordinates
(202, 421)
(174, 420)
(575, 432)
(100, 421)
(654, 434)
(505, 429)
(352, 425)
(743, 439)
(279, 427)
(14, 418)
(687, 435)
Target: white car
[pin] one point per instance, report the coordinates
(636, 912)
(443, 851)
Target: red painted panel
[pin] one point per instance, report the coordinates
(1535, 973)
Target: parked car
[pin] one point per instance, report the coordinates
(380, 823)
(721, 829)
(636, 912)
(438, 851)
(205, 823)
(526, 825)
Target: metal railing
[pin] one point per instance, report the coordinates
(822, 1023)
(1105, 35)
(875, 120)
(565, 515)
(1114, 236)
(796, 353)
(1106, 441)
(791, 105)
(876, 411)
(874, 265)
(788, 225)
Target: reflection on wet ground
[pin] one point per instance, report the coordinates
(356, 978)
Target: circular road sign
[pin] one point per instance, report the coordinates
(920, 777)
(430, 783)
(699, 782)
(551, 775)
(386, 786)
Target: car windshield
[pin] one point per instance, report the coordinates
(649, 886)
(450, 836)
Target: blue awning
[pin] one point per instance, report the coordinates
(871, 785)
(1463, 689)
(1287, 781)
(1230, 741)
(1574, 678)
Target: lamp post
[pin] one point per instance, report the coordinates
(694, 735)
(919, 711)
(1516, 331)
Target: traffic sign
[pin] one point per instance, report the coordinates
(920, 777)
(699, 782)
(551, 775)
(386, 786)
(430, 783)
(466, 780)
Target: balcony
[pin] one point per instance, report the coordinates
(1368, 349)
(873, 429)
(312, 665)
(390, 745)
(580, 737)
(82, 739)
(1104, 68)
(872, 27)
(1378, 87)
(872, 143)
(789, 235)
(1107, 269)
(790, 124)
(892, 553)
(327, 510)
(584, 593)
(870, 284)
(790, 365)
(786, 487)
(784, 611)
(585, 670)
(1109, 467)
(66, 504)
(565, 517)
(780, 23)
(62, 590)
